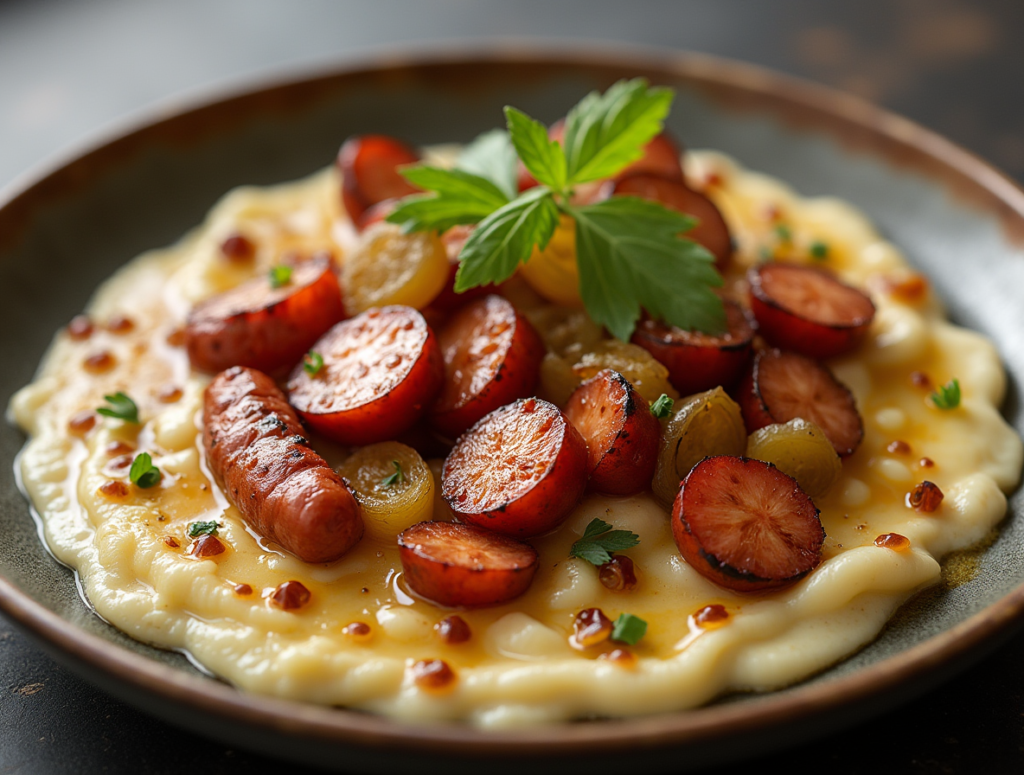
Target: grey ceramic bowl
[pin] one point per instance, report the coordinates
(63, 231)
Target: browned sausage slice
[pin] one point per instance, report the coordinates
(263, 327)
(620, 431)
(285, 491)
(382, 370)
(463, 565)
(491, 356)
(519, 471)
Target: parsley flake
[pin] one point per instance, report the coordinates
(947, 396)
(197, 529)
(783, 232)
(631, 253)
(313, 362)
(398, 477)
(599, 541)
(819, 250)
(628, 629)
(661, 407)
(280, 275)
(121, 408)
(143, 473)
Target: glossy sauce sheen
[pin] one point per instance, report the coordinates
(519, 667)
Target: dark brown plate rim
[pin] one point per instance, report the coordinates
(801, 102)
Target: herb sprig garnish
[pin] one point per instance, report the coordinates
(121, 408)
(628, 629)
(143, 473)
(398, 477)
(661, 407)
(629, 251)
(947, 396)
(599, 541)
(197, 529)
(313, 363)
(280, 275)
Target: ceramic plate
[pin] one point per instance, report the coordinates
(65, 230)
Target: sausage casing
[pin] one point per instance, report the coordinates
(257, 450)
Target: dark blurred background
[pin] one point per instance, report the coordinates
(71, 69)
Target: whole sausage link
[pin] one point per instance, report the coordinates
(258, 452)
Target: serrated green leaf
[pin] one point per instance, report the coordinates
(605, 133)
(619, 540)
(542, 156)
(599, 541)
(456, 197)
(455, 183)
(596, 527)
(492, 156)
(506, 238)
(593, 553)
(630, 254)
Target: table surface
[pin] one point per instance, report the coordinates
(68, 69)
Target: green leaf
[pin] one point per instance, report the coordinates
(197, 529)
(121, 408)
(593, 553)
(629, 629)
(398, 477)
(143, 473)
(605, 133)
(458, 197)
(280, 275)
(313, 362)
(947, 396)
(455, 197)
(819, 250)
(599, 541)
(630, 254)
(492, 156)
(662, 406)
(540, 155)
(506, 238)
(595, 528)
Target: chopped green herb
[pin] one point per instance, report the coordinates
(819, 250)
(783, 232)
(121, 408)
(662, 407)
(947, 396)
(197, 529)
(765, 254)
(398, 477)
(143, 473)
(280, 275)
(313, 362)
(599, 541)
(629, 251)
(629, 629)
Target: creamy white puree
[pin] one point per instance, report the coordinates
(518, 668)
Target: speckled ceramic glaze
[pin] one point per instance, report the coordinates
(65, 230)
